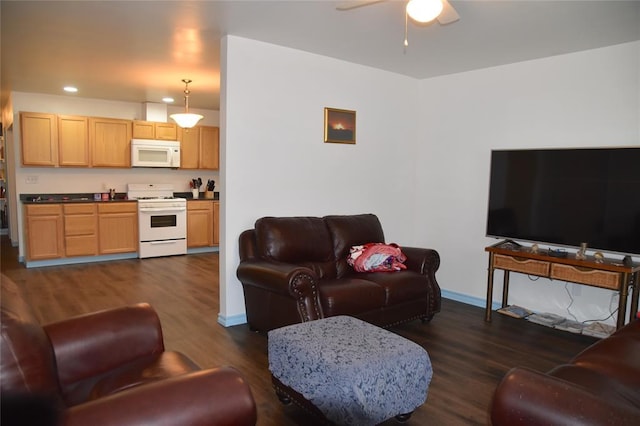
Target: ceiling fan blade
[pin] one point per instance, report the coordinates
(350, 5)
(448, 14)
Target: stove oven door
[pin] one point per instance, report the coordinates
(163, 230)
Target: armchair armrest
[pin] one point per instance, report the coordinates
(527, 397)
(284, 278)
(287, 280)
(213, 397)
(423, 260)
(89, 344)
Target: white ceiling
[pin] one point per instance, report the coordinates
(138, 51)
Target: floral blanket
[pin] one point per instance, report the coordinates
(376, 257)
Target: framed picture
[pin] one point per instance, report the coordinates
(339, 126)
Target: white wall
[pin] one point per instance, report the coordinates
(421, 161)
(585, 99)
(276, 163)
(91, 180)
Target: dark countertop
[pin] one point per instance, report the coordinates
(188, 196)
(89, 198)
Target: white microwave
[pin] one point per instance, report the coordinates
(155, 153)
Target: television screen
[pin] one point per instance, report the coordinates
(567, 197)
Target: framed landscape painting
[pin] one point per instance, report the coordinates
(339, 126)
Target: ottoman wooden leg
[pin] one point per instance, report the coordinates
(403, 417)
(283, 397)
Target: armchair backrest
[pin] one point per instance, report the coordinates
(352, 230)
(303, 241)
(27, 361)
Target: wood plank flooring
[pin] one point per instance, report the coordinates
(469, 356)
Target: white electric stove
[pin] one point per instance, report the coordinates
(162, 220)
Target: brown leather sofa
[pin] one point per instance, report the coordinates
(108, 368)
(294, 269)
(600, 386)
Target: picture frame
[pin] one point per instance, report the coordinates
(339, 126)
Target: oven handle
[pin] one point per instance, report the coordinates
(161, 209)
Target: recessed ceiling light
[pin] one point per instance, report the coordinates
(167, 100)
(70, 89)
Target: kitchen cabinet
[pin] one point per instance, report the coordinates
(44, 231)
(216, 223)
(39, 139)
(73, 141)
(80, 229)
(155, 130)
(200, 223)
(117, 227)
(110, 142)
(200, 148)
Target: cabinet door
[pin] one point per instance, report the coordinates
(199, 224)
(118, 228)
(44, 232)
(39, 139)
(216, 223)
(189, 148)
(110, 141)
(73, 141)
(166, 131)
(143, 129)
(209, 148)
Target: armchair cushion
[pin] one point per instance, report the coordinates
(347, 231)
(110, 339)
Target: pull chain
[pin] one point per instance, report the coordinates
(406, 20)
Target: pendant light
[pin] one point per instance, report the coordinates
(186, 120)
(424, 10)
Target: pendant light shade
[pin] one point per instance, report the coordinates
(186, 120)
(424, 10)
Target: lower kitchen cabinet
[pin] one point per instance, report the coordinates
(80, 229)
(216, 223)
(44, 232)
(199, 223)
(117, 227)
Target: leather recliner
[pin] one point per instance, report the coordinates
(599, 386)
(108, 368)
(294, 269)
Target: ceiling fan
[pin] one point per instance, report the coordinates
(421, 11)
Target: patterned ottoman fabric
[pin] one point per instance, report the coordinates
(353, 372)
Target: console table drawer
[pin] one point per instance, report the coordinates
(593, 277)
(525, 266)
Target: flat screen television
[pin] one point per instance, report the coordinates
(566, 197)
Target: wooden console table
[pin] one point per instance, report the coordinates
(610, 274)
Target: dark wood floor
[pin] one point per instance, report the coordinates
(469, 356)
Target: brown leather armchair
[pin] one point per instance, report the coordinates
(109, 368)
(599, 386)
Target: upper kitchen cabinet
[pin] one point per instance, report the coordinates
(39, 139)
(200, 148)
(73, 141)
(110, 142)
(155, 130)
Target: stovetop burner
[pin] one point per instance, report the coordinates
(150, 191)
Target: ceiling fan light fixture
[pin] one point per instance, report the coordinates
(186, 120)
(424, 10)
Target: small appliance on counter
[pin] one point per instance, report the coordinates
(162, 220)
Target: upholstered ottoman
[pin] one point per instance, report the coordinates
(348, 371)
